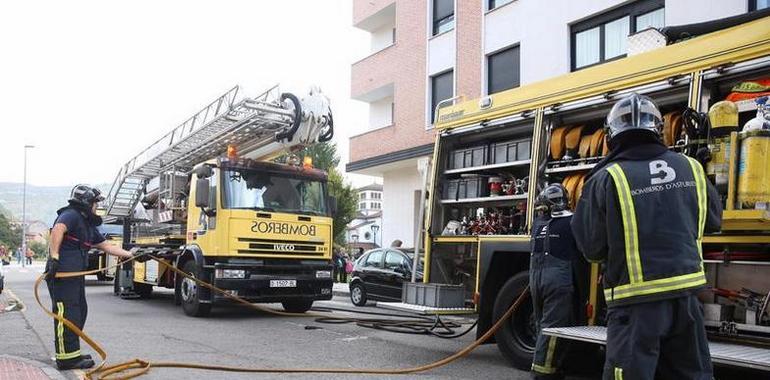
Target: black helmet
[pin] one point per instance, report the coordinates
(634, 112)
(555, 197)
(85, 195)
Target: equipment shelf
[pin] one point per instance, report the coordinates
(500, 198)
(488, 167)
(736, 262)
(572, 165)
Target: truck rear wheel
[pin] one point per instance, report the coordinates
(191, 292)
(516, 338)
(297, 306)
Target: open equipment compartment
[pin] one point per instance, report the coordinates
(576, 137)
(738, 259)
(482, 183)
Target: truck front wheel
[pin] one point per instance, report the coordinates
(297, 306)
(191, 293)
(516, 338)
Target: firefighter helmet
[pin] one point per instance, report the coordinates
(634, 112)
(85, 195)
(555, 197)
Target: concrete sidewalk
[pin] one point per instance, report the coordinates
(23, 354)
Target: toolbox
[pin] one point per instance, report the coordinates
(434, 295)
(468, 157)
(509, 151)
(474, 187)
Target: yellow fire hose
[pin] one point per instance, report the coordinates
(137, 367)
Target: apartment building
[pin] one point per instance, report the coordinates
(424, 52)
(365, 230)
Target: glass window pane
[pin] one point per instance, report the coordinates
(374, 259)
(616, 37)
(503, 70)
(444, 25)
(762, 4)
(443, 16)
(587, 47)
(442, 87)
(498, 3)
(654, 19)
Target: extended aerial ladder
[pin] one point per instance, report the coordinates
(260, 126)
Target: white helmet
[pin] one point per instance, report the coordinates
(634, 112)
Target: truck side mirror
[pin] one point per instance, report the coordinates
(202, 193)
(332, 201)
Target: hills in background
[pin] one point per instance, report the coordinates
(42, 201)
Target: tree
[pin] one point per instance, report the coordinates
(9, 235)
(346, 204)
(40, 249)
(326, 158)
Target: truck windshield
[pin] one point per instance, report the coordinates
(257, 190)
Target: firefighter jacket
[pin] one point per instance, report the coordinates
(644, 215)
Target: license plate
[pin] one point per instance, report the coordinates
(283, 283)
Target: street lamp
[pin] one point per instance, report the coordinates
(375, 228)
(24, 210)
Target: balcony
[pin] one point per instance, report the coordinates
(371, 14)
(373, 74)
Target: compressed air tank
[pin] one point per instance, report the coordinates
(723, 117)
(754, 169)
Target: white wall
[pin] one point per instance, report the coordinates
(441, 52)
(544, 35)
(381, 113)
(382, 37)
(680, 12)
(398, 213)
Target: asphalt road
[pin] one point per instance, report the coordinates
(156, 330)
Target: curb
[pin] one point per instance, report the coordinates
(339, 293)
(49, 371)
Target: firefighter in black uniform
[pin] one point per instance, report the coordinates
(73, 234)
(555, 269)
(643, 212)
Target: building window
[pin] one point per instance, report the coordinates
(604, 37)
(503, 70)
(443, 16)
(755, 5)
(362, 206)
(441, 88)
(492, 4)
(362, 195)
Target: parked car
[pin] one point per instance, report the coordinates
(379, 275)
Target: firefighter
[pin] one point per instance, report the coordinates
(73, 233)
(642, 213)
(554, 264)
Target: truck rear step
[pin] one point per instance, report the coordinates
(721, 353)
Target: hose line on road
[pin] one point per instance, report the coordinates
(137, 367)
(408, 324)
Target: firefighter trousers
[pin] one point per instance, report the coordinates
(658, 340)
(68, 296)
(553, 295)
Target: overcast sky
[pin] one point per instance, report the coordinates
(92, 83)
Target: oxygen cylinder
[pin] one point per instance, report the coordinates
(754, 170)
(723, 117)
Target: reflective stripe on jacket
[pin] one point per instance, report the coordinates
(646, 218)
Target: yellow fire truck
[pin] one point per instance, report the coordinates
(208, 199)
(493, 154)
